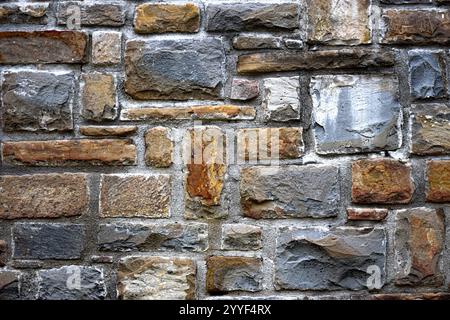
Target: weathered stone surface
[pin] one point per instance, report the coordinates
(161, 18)
(323, 259)
(106, 47)
(430, 129)
(43, 196)
(293, 43)
(282, 61)
(290, 192)
(3, 250)
(438, 177)
(181, 237)
(383, 181)
(229, 274)
(356, 113)
(241, 237)
(258, 144)
(156, 278)
(92, 14)
(251, 16)
(281, 100)
(9, 285)
(174, 69)
(99, 97)
(256, 42)
(24, 13)
(419, 240)
(146, 196)
(102, 259)
(102, 131)
(25, 47)
(69, 152)
(63, 284)
(366, 214)
(219, 112)
(159, 147)
(406, 1)
(427, 74)
(48, 241)
(416, 26)
(242, 89)
(412, 296)
(339, 22)
(37, 101)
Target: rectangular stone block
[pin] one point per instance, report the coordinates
(281, 101)
(366, 214)
(105, 131)
(241, 237)
(243, 89)
(98, 97)
(159, 147)
(3, 253)
(438, 178)
(91, 14)
(24, 13)
(106, 47)
(427, 74)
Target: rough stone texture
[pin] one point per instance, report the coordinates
(102, 131)
(251, 16)
(161, 18)
(69, 152)
(438, 177)
(3, 252)
(99, 97)
(9, 285)
(146, 196)
(37, 101)
(383, 181)
(355, 114)
(339, 22)
(92, 14)
(366, 214)
(174, 70)
(323, 259)
(290, 192)
(43, 196)
(180, 237)
(27, 47)
(159, 147)
(416, 26)
(106, 47)
(427, 74)
(24, 13)
(419, 240)
(256, 42)
(430, 126)
(241, 237)
(44, 241)
(242, 89)
(71, 283)
(281, 99)
(156, 278)
(229, 274)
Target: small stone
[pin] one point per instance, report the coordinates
(99, 97)
(438, 177)
(146, 196)
(156, 278)
(9, 285)
(44, 241)
(161, 18)
(24, 13)
(383, 181)
(92, 14)
(102, 259)
(419, 241)
(242, 237)
(230, 274)
(61, 284)
(3, 251)
(256, 42)
(106, 47)
(43, 196)
(281, 101)
(242, 89)
(295, 44)
(112, 131)
(159, 147)
(366, 214)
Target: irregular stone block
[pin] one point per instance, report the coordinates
(281, 101)
(242, 89)
(102, 131)
(256, 42)
(99, 97)
(92, 14)
(366, 214)
(24, 13)
(106, 47)
(438, 177)
(241, 237)
(9, 285)
(3, 252)
(159, 147)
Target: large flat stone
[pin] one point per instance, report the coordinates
(281, 101)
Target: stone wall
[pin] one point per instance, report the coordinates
(103, 103)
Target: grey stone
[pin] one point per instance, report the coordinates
(324, 259)
(256, 42)
(427, 74)
(290, 191)
(281, 100)
(9, 285)
(71, 283)
(174, 69)
(242, 237)
(24, 13)
(37, 101)
(146, 236)
(251, 16)
(48, 241)
(92, 14)
(356, 113)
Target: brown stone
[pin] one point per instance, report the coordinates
(366, 214)
(161, 18)
(99, 97)
(101, 131)
(412, 296)
(28, 13)
(43, 196)
(106, 47)
(69, 152)
(416, 26)
(438, 176)
(146, 196)
(25, 47)
(382, 181)
(159, 147)
(281, 61)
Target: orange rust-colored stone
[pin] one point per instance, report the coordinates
(100, 131)
(438, 175)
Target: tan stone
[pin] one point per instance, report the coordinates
(159, 147)
(106, 47)
(101, 131)
(438, 176)
(99, 97)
